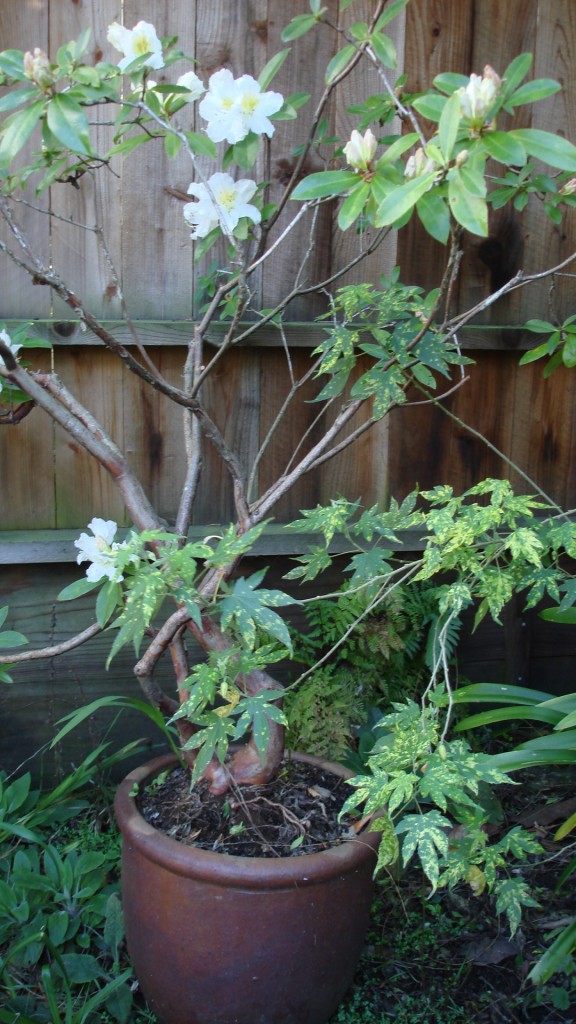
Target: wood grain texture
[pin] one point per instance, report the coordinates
(24, 25)
(149, 243)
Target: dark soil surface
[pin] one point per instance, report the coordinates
(295, 814)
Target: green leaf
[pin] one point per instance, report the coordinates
(402, 199)
(430, 105)
(78, 589)
(555, 957)
(299, 25)
(512, 895)
(426, 835)
(271, 69)
(16, 98)
(172, 145)
(502, 147)
(250, 607)
(389, 848)
(339, 63)
(385, 49)
(391, 12)
(200, 144)
(17, 129)
(353, 205)
(80, 968)
(515, 72)
(566, 616)
(533, 91)
(434, 215)
(448, 126)
(396, 150)
(256, 713)
(11, 638)
(324, 184)
(127, 145)
(550, 148)
(107, 601)
(69, 124)
(471, 211)
(12, 64)
(449, 81)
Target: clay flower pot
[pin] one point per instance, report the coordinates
(218, 939)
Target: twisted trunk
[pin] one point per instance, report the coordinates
(246, 765)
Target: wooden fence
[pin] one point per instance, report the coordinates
(49, 487)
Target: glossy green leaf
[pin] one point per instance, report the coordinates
(552, 149)
(271, 69)
(533, 91)
(299, 25)
(353, 205)
(567, 616)
(392, 11)
(200, 144)
(68, 123)
(471, 211)
(127, 145)
(504, 148)
(17, 129)
(15, 98)
(430, 105)
(339, 63)
(448, 126)
(434, 215)
(324, 184)
(515, 72)
(449, 81)
(12, 64)
(402, 199)
(398, 147)
(385, 49)
(77, 589)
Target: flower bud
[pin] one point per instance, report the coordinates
(360, 150)
(568, 188)
(477, 98)
(462, 158)
(37, 69)
(418, 164)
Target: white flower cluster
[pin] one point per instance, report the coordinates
(232, 108)
(13, 346)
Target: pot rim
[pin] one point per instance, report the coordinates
(227, 869)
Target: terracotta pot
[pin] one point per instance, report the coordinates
(216, 939)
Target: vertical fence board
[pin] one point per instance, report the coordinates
(24, 25)
(94, 203)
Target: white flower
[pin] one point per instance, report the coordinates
(100, 550)
(224, 201)
(418, 164)
(13, 346)
(477, 98)
(194, 84)
(135, 42)
(233, 107)
(360, 150)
